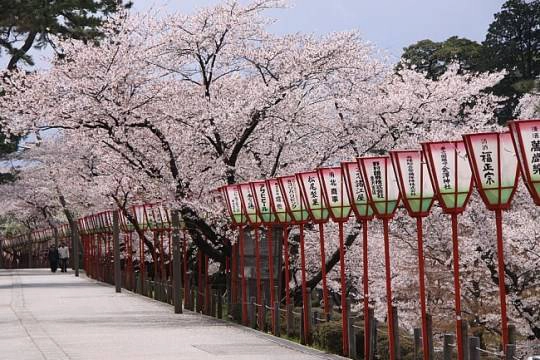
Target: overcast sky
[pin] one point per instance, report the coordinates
(389, 24)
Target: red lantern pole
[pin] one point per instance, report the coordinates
(206, 284)
(130, 259)
(247, 199)
(502, 287)
(142, 267)
(234, 274)
(264, 211)
(233, 201)
(336, 197)
(305, 298)
(199, 279)
(417, 193)
(271, 273)
(258, 272)
(422, 286)
(94, 245)
(185, 266)
(388, 273)
(323, 270)
(364, 213)
(457, 287)
(282, 217)
(365, 285)
(89, 255)
(452, 179)
(311, 191)
(287, 271)
(493, 160)
(296, 209)
(244, 282)
(344, 315)
(383, 194)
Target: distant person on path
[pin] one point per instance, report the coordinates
(53, 258)
(63, 252)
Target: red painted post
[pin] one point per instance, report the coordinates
(258, 273)
(457, 286)
(271, 274)
(207, 286)
(142, 266)
(185, 267)
(323, 270)
(307, 330)
(170, 245)
(234, 274)
(451, 175)
(99, 250)
(344, 315)
(501, 177)
(287, 271)
(421, 282)
(199, 279)
(100, 270)
(312, 191)
(366, 286)
(95, 245)
(155, 236)
(162, 256)
(129, 265)
(244, 283)
(391, 350)
(91, 259)
(501, 274)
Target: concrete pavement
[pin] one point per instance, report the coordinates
(58, 316)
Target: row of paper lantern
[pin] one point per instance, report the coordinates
(375, 185)
(36, 236)
(153, 217)
(148, 216)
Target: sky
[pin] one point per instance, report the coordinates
(391, 25)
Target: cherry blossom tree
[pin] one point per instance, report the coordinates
(170, 108)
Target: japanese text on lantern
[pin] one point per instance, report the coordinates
(535, 151)
(376, 180)
(410, 172)
(278, 200)
(487, 163)
(359, 185)
(250, 203)
(313, 193)
(292, 194)
(263, 198)
(235, 203)
(333, 187)
(445, 169)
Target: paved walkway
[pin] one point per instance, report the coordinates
(58, 316)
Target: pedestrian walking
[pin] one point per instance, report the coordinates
(63, 252)
(53, 258)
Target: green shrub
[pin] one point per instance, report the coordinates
(406, 344)
(327, 336)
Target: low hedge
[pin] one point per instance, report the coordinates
(328, 336)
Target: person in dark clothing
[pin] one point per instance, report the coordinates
(53, 258)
